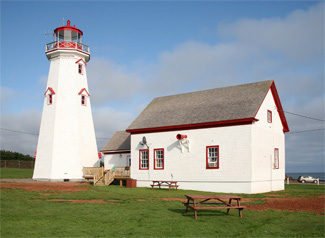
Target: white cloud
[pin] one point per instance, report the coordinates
(283, 49)
(111, 82)
(6, 95)
(299, 36)
(107, 121)
(26, 121)
(43, 80)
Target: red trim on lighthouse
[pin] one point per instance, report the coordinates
(81, 91)
(68, 28)
(81, 60)
(51, 89)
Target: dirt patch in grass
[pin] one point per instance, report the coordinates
(275, 195)
(78, 201)
(46, 194)
(4, 189)
(310, 204)
(47, 186)
(174, 199)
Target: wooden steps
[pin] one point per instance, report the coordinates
(106, 178)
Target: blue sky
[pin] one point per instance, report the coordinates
(141, 50)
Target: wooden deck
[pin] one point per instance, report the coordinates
(101, 177)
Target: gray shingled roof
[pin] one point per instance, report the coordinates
(120, 141)
(220, 104)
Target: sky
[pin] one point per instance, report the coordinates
(146, 49)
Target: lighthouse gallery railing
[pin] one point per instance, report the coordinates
(67, 45)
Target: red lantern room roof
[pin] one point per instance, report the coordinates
(68, 28)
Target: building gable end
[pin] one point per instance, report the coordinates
(278, 105)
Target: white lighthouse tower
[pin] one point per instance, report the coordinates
(67, 140)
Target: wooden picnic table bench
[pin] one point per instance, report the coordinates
(196, 202)
(170, 184)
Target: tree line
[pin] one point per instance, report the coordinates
(9, 155)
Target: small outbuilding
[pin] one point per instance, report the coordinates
(229, 139)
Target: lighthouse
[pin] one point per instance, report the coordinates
(66, 140)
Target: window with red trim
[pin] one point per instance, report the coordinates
(83, 100)
(144, 159)
(269, 116)
(276, 158)
(159, 159)
(212, 157)
(49, 99)
(80, 69)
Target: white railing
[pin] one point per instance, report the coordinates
(67, 45)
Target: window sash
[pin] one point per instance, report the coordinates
(276, 158)
(269, 116)
(80, 68)
(212, 160)
(128, 160)
(144, 159)
(159, 159)
(83, 100)
(50, 99)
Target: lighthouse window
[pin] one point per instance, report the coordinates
(83, 100)
(67, 35)
(49, 99)
(60, 35)
(80, 68)
(74, 36)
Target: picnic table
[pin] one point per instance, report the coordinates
(196, 202)
(170, 184)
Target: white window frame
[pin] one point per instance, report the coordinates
(83, 102)
(128, 160)
(159, 158)
(50, 99)
(80, 69)
(212, 157)
(276, 158)
(143, 160)
(269, 116)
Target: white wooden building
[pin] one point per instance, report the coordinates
(229, 139)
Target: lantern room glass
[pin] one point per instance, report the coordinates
(67, 35)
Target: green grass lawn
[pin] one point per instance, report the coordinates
(15, 173)
(137, 212)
